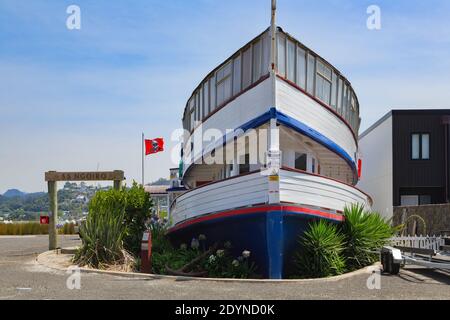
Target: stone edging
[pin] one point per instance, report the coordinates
(44, 259)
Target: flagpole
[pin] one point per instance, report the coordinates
(143, 147)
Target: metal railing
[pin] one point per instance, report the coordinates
(422, 242)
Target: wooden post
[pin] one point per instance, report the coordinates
(117, 184)
(52, 230)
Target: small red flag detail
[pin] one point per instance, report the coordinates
(154, 146)
(359, 168)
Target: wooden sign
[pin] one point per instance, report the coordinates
(85, 176)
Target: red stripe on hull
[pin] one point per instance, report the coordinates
(262, 209)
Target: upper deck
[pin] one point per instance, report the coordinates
(297, 65)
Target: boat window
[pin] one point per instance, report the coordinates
(345, 101)
(340, 90)
(300, 161)
(197, 104)
(257, 55)
(206, 98)
(223, 84)
(334, 83)
(311, 73)
(282, 55)
(202, 106)
(291, 55)
(212, 91)
(323, 83)
(244, 165)
(265, 54)
(237, 75)
(301, 68)
(247, 68)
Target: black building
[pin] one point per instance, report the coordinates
(406, 159)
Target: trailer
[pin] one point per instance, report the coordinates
(394, 257)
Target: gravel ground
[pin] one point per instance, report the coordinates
(21, 277)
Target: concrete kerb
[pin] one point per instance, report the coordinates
(45, 259)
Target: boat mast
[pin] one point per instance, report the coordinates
(273, 31)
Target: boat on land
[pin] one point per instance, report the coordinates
(303, 116)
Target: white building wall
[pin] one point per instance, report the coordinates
(377, 172)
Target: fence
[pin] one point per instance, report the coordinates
(428, 242)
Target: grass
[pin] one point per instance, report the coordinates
(31, 228)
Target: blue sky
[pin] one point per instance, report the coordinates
(79, 100)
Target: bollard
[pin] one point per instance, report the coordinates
(146, 252)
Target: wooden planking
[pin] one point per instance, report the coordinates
(239, 192)
(318, 191)
(304, 109)
(246, 107)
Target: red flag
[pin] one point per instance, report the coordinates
(154, 146)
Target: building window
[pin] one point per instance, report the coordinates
(300, 161)
(415, 200)
(420, 149)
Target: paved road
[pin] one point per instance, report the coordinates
(22, 278)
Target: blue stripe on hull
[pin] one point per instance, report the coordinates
(271, 236)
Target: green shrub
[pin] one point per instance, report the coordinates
(321, 251)
(365, 233)
(138, 206)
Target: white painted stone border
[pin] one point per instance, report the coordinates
(44, 259)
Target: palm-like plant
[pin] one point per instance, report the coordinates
(321, 251)
(365, 233)
(102, 234)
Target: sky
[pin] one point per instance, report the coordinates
(80, 99)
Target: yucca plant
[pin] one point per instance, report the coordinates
(365, 233)
(103, 232)
(321, 251)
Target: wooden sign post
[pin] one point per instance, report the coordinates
(52, 178)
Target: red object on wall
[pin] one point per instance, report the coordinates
(146, 252)
(44, 220)
(154, 146)
(359, 168)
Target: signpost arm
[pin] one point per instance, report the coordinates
(52, 230)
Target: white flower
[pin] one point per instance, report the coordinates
(202, 237)
(195, 244)
(183, 246)
(235, 263)
(246, 254)
(220, 253)
(227, 245)
(212, 259)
